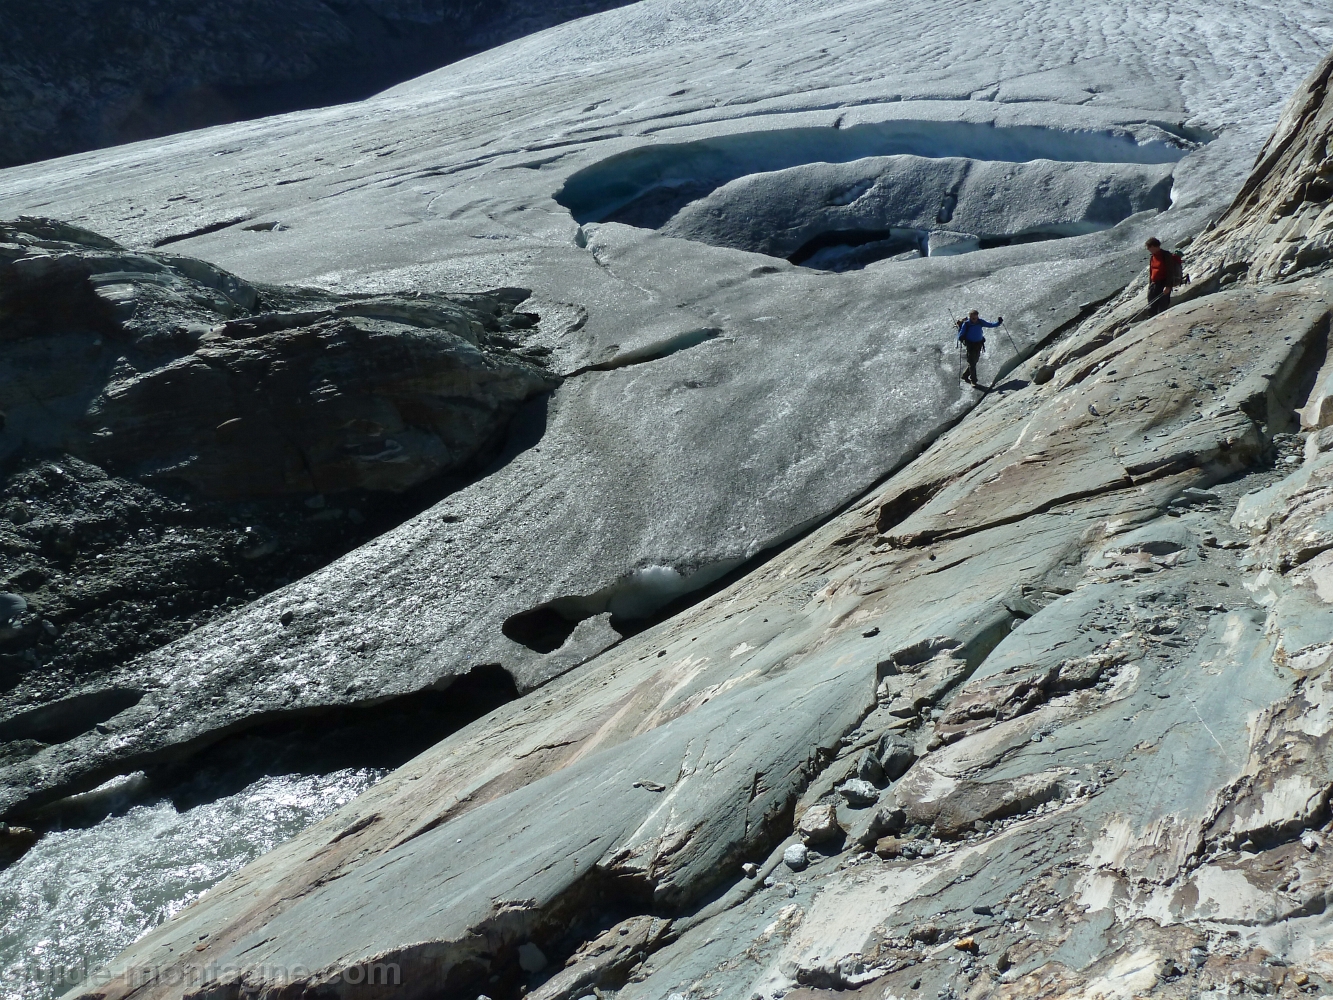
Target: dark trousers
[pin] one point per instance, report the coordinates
(974, 348)
(1159, 298)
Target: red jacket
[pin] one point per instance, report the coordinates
(1159, 268)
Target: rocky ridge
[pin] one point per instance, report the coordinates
(1092, 622)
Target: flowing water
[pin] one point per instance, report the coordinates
(82, 894)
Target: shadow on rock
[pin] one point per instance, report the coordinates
(177, 442)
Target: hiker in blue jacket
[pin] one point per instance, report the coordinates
(972, 335)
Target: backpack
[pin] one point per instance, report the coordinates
(1175, 270)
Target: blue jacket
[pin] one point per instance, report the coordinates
(973, 332)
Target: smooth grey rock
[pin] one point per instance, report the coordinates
(1161, 538)
(859, 825)
(858, 793)
(795, 857)
(1193, 496)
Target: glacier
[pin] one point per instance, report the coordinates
(650, 174)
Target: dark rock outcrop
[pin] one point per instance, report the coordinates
(177, 442)
(81, 74)
(162, 367)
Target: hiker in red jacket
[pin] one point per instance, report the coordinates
(1163, 275)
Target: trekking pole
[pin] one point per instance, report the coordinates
(1005, 331)
(954, 328)
(1158, 298)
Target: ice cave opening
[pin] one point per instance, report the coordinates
(839, 199)
(634, 602)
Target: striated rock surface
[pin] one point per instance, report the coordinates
(1091, 621)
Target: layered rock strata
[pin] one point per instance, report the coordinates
(1090, 620)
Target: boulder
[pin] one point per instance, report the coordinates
(796, 857)
(896, 756)
(859, 793)
(888, 847)
(819, 824)
(886, 820)
(868, 768)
